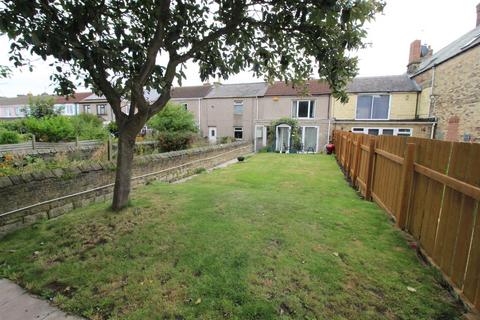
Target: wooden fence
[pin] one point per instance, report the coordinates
(432, 189)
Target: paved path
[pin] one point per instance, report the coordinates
(17, 304)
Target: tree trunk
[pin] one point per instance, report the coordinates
(121, 191)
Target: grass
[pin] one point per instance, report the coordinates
(275, 237)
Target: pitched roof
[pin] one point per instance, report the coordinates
(313, 87)
(460, 45)
(239, 90)
(397, 83)
(18, 100)
(190, 92)
(77, 97)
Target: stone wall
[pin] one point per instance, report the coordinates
(48, 194)
(456, 92)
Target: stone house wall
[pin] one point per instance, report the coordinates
(456, 92)
(44, 195)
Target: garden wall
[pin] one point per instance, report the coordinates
(48, 194)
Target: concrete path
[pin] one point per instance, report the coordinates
(17, 304)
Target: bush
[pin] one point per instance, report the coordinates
(172, 141)
(88, 127)
(173, 118)
(7, 136)
(51, 129)
(112, 127)
(224, 140)
(16, 125)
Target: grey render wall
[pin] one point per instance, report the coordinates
(48, 194)
(218, 112)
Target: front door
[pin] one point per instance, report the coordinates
(212, 135)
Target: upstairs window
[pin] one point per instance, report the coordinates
(238, 107)
(373, 107)
(303, 109)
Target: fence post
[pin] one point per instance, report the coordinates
(356, 161)
(370, 164)
(405, 186)
(33, 142)
(76, 142)
(109, 148)
(348, 160)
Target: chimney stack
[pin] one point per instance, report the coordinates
(478, 15)
(415, 51)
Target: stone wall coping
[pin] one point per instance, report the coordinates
(70, 172)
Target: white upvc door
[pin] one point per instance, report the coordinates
(212, 135)
(310, 138)
(260, 140)
(283, 132)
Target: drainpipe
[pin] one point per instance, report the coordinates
(432, 133)
(329, 117)
(432, 105)
(199, 115)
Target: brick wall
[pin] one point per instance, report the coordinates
(48, 194)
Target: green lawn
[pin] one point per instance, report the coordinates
(275, 237)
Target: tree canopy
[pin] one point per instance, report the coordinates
(121, 48)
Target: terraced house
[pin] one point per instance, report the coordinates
(450, 85)
(13, 108)
(386, 105)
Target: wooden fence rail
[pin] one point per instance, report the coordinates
(432, 189)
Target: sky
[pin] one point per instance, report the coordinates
(435, 22)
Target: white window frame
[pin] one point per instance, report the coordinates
(238, 129)
(310, 103)
(303, 137)
(371, 106)
(280, 148)
(104, 107)
(238, 103)
(87, 108)
(396, 131)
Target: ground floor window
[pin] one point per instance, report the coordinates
(406, 132)
(101, 109)
(238, 133)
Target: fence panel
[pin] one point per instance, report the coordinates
(388, 172)
(436, 185)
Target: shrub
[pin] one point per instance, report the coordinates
(88, 126)
(172, 141)
(16, 125)
(51, 129)
(112, 127)
(7, 136)
(224, 140)
(173, 118)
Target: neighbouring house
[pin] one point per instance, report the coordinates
(191, 98)
(229, 110)
(384, 105)
(13, 108)
(99, 106)
(450, 85)
(308, 104)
